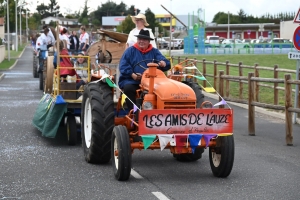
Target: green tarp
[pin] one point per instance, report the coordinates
(48, 115)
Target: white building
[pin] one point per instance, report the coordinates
(287, 29)
(62, 21)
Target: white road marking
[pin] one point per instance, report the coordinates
(160, 196)
(135, 174)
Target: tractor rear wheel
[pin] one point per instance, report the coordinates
(221, 156)
(188, 157)
(97, 122)
(121, 153)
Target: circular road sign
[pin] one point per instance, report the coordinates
(296, 38)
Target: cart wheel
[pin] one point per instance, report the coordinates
(71, 130)
(121, 153)
(221, 157)
(41, 76)
(97, 122)
(35, 66)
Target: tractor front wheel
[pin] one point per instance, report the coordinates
(221, 156)
(121, 153)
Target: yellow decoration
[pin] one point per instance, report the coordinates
(123, 99)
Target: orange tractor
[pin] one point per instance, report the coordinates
(170, 113)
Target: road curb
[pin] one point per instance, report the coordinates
(2, 76)
(18, 58)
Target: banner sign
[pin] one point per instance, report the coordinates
(186, 121)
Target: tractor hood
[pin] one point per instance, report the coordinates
(168, 89)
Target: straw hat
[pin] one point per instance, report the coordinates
(140, 16)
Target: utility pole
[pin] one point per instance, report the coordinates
(20, 25)
(26, 25)
(8, 37)
(228, 32)
(16, 22)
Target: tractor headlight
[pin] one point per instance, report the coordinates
(147, 105)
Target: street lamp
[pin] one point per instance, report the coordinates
(21, 21)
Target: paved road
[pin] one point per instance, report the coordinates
(33, 167)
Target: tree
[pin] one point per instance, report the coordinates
(53, 8)
(126, 26)
(152, 21)
(83, 19)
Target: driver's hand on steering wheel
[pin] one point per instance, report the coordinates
(136, 76)
(162, 63)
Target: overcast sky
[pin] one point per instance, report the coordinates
(185, 7)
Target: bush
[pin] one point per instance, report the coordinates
(0, 41)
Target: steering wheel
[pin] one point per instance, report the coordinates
(145, 61)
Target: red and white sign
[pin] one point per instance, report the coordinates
(186, 121)
(297, 17)
(296, 38)
(119, 19)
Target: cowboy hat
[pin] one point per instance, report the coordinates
(140, 16)
(144, 34)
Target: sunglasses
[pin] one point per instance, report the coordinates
(138, 20)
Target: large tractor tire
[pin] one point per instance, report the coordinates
(97, 122)
(35, 66)
(189, 157)
(121, 153)
(221, 156)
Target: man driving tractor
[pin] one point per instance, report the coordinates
(130, 74)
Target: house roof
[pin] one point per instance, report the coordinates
(61, 19)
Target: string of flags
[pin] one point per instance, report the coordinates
(107, 78)
(180, 140)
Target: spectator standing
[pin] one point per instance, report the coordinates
(83, 39)
(140, 21)
(74, 42)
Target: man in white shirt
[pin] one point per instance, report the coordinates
(42, 46)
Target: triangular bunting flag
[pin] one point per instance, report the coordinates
(194, 140)
(191, 67)
(209, 89)
(181, 141)
(110, 83)
(201, 78)
(148, 140)
(123, 99)
(164, 139)
(225, 134)
(135, 108)
(222, 102)
(104, 76)
(207, 138)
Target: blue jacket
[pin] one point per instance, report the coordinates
(131, 57)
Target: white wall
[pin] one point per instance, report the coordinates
(287, 29)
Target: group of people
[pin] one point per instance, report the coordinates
(139, 46)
